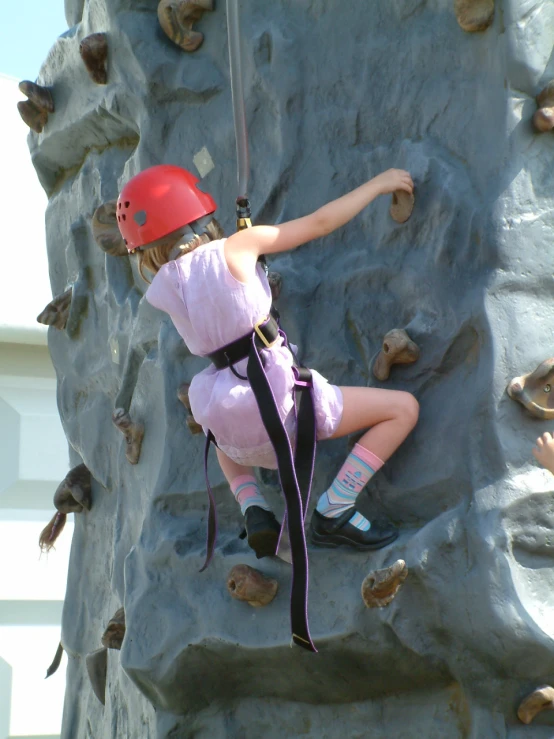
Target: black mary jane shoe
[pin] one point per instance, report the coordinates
(262, 531)
(333, 532)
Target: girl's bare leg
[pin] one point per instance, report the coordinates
(391, 414)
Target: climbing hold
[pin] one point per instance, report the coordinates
(133, 432)
(177, 18)
(115, 631)
(94, 53)
(55, 662)
(381, 586)
(543, 119)
(246, 583)
(539, 700)
(402, 206)
(34, 111)
(398, 348)
(275, 283)
(535, 390)
(57, 311)
(105, 231)
(72, 496)
(97, 668)
(183, 395)
(474, 15)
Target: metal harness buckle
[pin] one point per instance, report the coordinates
(268, 344)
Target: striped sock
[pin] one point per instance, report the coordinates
(358, 469)
(246, 491)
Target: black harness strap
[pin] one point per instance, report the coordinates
(295, 472)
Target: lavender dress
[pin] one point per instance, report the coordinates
(211, 308)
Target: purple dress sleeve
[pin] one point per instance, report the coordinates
(165, 291)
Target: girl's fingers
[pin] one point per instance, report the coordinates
(539, 442)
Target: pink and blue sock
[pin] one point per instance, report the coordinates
(246, 491)
(358, 469)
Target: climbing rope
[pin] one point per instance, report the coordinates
(239, 116)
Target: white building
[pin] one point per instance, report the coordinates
(33, 451)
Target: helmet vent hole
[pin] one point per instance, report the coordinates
(118, 218)
(123, 217)
(119, 206)
(140, 217)
(127, 204)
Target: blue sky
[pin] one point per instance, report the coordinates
(28, 29)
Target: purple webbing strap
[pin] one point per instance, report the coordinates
(212, 514)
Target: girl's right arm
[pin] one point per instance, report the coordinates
(243, 248)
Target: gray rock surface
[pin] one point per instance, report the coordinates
(336, 92)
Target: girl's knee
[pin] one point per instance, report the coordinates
(409, 409)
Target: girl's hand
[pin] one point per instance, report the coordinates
(544, 451)
(394, 179)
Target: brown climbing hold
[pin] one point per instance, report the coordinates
(105, 231)
(535, 391)
(543, 119)
(381, 586)
(72, 496)
(57, 311)
(177, 18)
(402, 206)
(133, 432)
(115, 631)
(34, 111)
(474, 15)
(94, 52)
(398, 348)
(275, 283)
(183, 395)
(38, 95)
(539, 700)
(246, 583)
(97, 668)
(35, 118)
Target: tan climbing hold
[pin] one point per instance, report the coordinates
(106, 232)
(247, 584)
(115, 631)
(94, 53)
(398, 348)
(535, 391)
(402, 206)
(57, 311)
(381, 586)
(541, 699)
(177, 18)
(97, 668)
(183, 395)
(133, 432)
(474, 15)
(543, 120)
(34, 111)
(275, 283)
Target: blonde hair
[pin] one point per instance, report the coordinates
(157, 252)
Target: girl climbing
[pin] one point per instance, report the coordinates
(216, 293)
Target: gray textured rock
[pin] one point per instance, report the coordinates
(335, 93)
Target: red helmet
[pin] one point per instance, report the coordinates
(157, 201)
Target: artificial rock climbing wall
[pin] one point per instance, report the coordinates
(335, 93)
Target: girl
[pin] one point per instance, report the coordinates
(215, 292)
